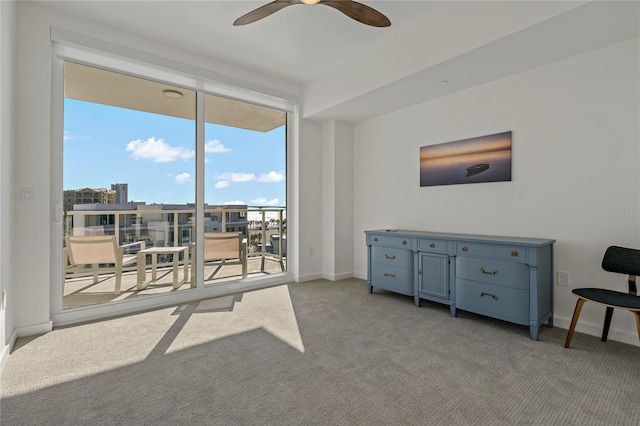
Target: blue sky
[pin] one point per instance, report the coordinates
(155, 155)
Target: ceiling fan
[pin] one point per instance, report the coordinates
(353, 9)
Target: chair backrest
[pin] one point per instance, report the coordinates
(92, 249)
(222, 245)
(621, 260)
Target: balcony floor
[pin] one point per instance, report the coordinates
(80, 292)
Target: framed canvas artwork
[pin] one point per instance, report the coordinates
(474, 160)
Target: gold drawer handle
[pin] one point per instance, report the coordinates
(432, 245)
(389, 257)
(390, 275)
(514, 253)
(465, 248)
(493, 296)
(495, 271)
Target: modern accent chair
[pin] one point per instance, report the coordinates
(226, 248)
(620, 260)
(96, 251)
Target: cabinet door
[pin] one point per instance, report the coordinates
(433, 275)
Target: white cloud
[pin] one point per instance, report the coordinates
(237, 177)
(158, 151)
(183, 178)
(261, 201)
(227, 203)
(221, 184)
(215, 146)
(271, 177)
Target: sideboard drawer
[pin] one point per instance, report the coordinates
(433, 245)
(510, 274)
(501, 251)
(493, 300)
(399, 280)
(391, 240)
(392, 256)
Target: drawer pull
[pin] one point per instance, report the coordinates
(404, 242)
(389, 257)
(493, 296)
(465, 248)
(390, 275)
(432, 245)
(375, 240)
(514, 253)
(495, 271)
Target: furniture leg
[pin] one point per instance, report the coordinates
(452, 309)
(574, 321)
(607, 323)
(416, 301)
(176, 270)
(118, 276)
(154, 266)
(533, 332)
(638, 322)
(142, 270)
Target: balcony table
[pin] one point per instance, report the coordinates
(154, 251)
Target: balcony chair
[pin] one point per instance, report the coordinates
(227, 248)
(97, 250)
(620, 260)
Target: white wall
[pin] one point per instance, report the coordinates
(337, 200)
(310, 201)
(7, 76)
(575, 176)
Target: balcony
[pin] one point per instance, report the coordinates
(166, 229)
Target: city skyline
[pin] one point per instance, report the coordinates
(155, 155)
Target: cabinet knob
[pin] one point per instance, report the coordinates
(375, 240)
(432, 245)
(404, 242)
(465, 248)
(514, 253)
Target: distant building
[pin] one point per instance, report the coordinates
(122, 192)
(88, 196)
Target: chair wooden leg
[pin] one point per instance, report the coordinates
(118, 277)
(574, 321)
(607, 323)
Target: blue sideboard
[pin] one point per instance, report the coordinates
(507, 278)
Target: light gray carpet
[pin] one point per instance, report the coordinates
(317, 353)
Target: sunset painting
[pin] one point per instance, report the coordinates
(474, 160)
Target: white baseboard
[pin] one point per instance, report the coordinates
(360, 275)
(337, 277)
(6, 350)
(35, 329)
(629, 338)
(309, 277)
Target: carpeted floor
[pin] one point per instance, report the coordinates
(316, 353)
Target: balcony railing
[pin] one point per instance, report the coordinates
(263, 228)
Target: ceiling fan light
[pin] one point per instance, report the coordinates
(310, 1)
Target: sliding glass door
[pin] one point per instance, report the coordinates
(131, 222)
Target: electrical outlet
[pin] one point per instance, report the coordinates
(563, 278)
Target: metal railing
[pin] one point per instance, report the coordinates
(176, 227)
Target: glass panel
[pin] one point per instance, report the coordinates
(129, 176)
(245, 190)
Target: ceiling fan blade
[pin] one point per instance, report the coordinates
(263, 11)
(360, 12)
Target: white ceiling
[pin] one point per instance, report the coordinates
(372, 69)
